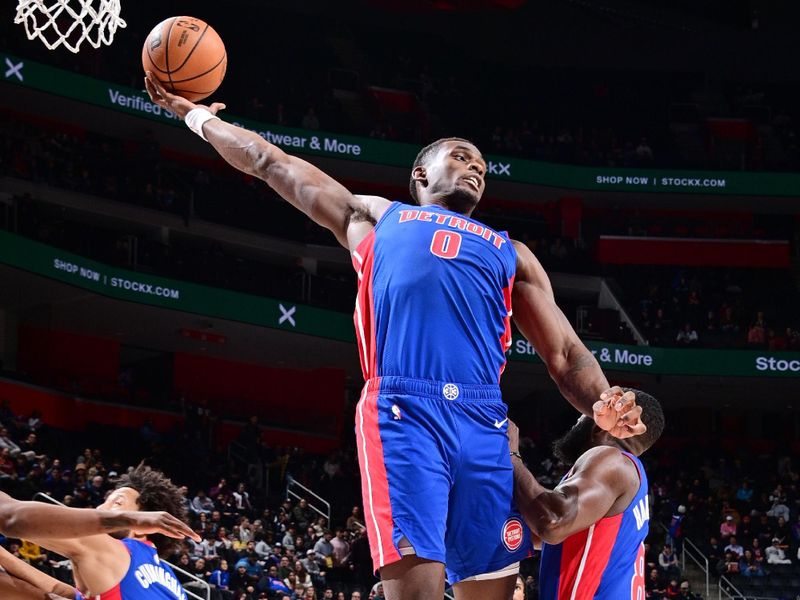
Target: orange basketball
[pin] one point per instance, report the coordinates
(187, 56)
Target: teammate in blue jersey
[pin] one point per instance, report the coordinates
(433, 324)
(594, 523)
(123, 567)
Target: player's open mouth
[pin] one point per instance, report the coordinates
(473, 181)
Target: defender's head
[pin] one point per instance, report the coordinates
(448, 172)
(146, 489)
(585, 434)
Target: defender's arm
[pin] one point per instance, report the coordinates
(601, 478)
(26, 581)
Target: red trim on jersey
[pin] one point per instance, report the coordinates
(364, 315)
(585, 578)
(374, 481)
(505, 339)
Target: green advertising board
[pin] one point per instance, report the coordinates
(47, 261)
(23, 72)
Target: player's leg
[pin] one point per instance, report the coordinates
(413, 578)
(403, 444)
(501, 588)
(486, 536)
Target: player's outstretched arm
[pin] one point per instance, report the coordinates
(571, 365)
(36, 520)
(602, 482)
(318, 195)
(24, 581)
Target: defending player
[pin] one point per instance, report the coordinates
(433, 323)
(123, 567)
(594, 523)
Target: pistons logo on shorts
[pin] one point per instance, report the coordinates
(512, 534)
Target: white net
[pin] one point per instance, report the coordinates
(70, 22)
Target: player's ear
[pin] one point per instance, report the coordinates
(420, 176)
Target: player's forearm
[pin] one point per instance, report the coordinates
(579, 378)
(545, 511)
(301, 184)
(243, 149)
(38, 520)
(24, 572)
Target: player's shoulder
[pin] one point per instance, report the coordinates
(608, 460)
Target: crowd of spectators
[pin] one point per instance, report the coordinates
(595, 117)
(713, 308)
(254, 545)
(743, 514)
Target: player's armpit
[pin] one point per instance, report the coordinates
(100, 561)
(570, 364)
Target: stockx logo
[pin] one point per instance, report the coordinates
(498, 168)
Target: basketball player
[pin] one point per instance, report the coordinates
(594, 523)
(433, 323)
(123, 567)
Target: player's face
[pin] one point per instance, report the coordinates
(575, 442)
(119, 500)
(519, 590)
(455, 173)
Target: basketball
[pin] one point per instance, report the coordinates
(187, 56)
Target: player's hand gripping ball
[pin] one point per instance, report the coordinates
(187, 57)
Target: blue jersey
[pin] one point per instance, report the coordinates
(434, 297)
(147, 578)
(604, 562)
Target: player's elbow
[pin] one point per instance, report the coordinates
(10, 522)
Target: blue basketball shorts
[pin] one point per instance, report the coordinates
(436, 470)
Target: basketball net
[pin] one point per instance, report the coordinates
(70, 22)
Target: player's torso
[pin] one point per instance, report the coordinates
(604, 562)
(148, 578)
(434, 296)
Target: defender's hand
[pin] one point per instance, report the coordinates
(617, 413)
(513, 436)
(144, 523)
(177, 104)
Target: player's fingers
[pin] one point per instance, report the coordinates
(216, 107)
(612, 391)
(625, 402)
(637, 429)
(600, 408)
(632, 416)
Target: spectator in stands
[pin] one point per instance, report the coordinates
(341, 548)
(303, 514)
(727, 528)
(238, 579)
(242, 499)
(97, 491)
(675, 530)
(686, 592)
(776, 555)
(749, 566)
(687, 335)
(756, 336)
(734, 548)
(220, 578)
(324, 548)
(355, 521)
(655, 586)
(728, 564)
(7, 443)
(668, 562)
(779, 509)
(202, 504)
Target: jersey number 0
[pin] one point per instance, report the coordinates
(445, 243)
